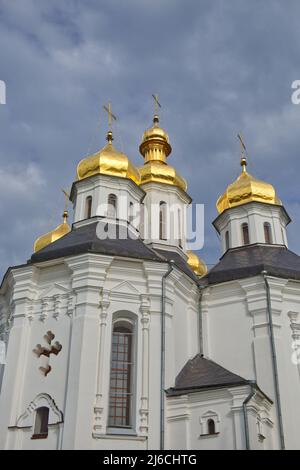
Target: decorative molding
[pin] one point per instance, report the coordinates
(26, 419)
(144, 406)
(210, 414)
(51, 348)
(98, 426)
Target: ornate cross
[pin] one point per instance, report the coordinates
(156, 103)
(54, 348)
(111, 116)
(67, 199)
(243, 156)
(242, 143)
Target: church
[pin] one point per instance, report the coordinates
(116, 336)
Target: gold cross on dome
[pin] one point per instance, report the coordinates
(243, 155)
(111, 116)
(156, 103)
(242, 143)
(67, 196)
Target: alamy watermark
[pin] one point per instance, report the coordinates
(174, 223)
(2, 92)
(295, 98)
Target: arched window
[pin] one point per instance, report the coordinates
(267, 231)
(41, 423)
(211, 428)
(88, 207)
(112, 206)
(227, 240)
(245, 233)
(162, 220)
(121, 375)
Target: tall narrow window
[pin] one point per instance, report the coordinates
(267, 231)
(121, 395)
(227, 240)
(41, 423)
(162, 220)
(211, 428)
(112, 206)
(245, 233)
(179, 229)
(131, 214)
(88, 207)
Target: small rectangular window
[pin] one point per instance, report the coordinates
(41, 423)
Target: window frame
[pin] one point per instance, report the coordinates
(88, 207)
(268, 232)
(131, 428)
(245, 233)
(163, 221)
(39, 423)
(112, 208)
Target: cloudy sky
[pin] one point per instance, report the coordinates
(219, 66)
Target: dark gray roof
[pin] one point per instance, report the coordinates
(201, 373)
(84, 239)
(251, 260)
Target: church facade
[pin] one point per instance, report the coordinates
(117, 337)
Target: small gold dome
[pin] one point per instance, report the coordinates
(196, 264)
(245, 189)
(155, 148)
(54, 235)
(108, 161)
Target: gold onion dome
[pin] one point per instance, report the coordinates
(54, 235)
(108, 161)
(245, 189)
(196, 264)
(155, 148)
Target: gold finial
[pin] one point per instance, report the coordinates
(65, 216)
(111, 117)
(156, 106)
(66, 212)
(243, 153)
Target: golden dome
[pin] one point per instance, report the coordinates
(196, 264)
(108, 161)
(54, 235)
(245, 189)
(155, 148)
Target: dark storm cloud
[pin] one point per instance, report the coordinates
(219, 66)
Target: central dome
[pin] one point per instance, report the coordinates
(155, 148)
(108, 161)
(245, 189)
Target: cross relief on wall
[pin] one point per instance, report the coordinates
(46, 351)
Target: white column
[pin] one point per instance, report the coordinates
(99, 429)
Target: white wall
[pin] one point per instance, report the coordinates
(77, 299)
(237, 336)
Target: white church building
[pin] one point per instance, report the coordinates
(115, 336)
